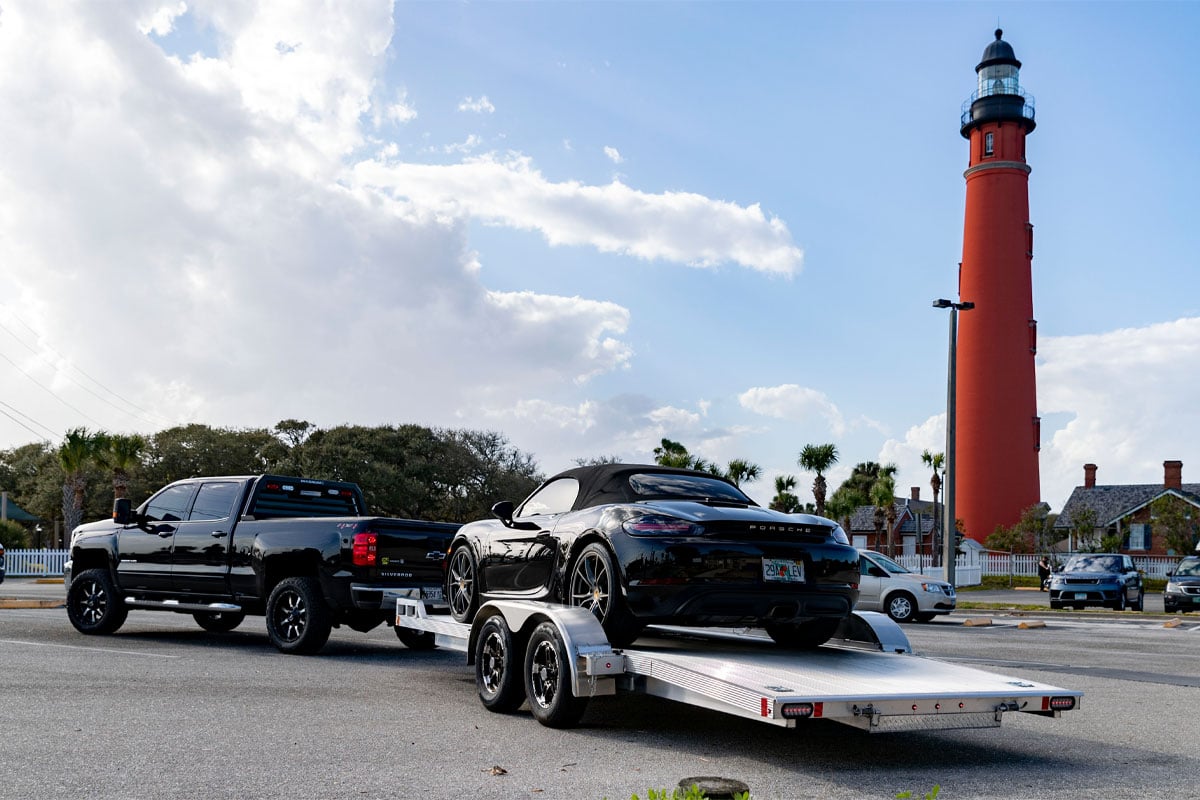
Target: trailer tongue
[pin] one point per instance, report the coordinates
(557, 657)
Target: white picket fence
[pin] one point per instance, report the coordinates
(35, 563)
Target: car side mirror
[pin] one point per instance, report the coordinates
(503, 511)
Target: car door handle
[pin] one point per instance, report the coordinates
(217, 534)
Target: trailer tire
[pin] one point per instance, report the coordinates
(416, 640)
(94, 605)
(462, 584)
(902, 607)
(498, 667)
(807, 635)
(218, 621)
(552, 700)
(593, 583)
(298, 620)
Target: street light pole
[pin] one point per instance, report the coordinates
(950, 528)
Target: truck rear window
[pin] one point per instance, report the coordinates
(308, 498)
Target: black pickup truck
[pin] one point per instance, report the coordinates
(296, 550)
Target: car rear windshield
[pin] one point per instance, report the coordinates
(304, 498)
(685, 487)
(1189, 567)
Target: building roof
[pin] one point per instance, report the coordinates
(863, 519)
(1110, 503)
(15, 513)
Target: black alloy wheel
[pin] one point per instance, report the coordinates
(218, 621)
(1119, 604)
(498, 668)
(1140, 603)
(548, 680)
(93, 604)
(298, 620)
(462, 584)
(593, 584)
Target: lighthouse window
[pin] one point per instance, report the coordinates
(989, 144)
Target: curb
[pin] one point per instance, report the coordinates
(16, 602)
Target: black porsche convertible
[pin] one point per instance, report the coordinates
(641, 545)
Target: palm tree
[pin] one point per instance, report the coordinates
(673, 454)
(818, 458)
(883, 497)
(78, 450)
(742, 470)
(935, 461)
(120, 452)
(785, 499)
(841, 508)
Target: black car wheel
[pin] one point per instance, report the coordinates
(807, 635)
(416, 640)
(548, 680)
(497, 668)
(593, 584)
(462, 585)
(218, 621)
(902, 607)
(1119, 604)
(298, 621)
(1140, 603)
(93, 603)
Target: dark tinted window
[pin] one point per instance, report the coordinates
(215, 500)
(171, 503)
(684, 487)
(555, 497)
(297, 497)
(1189, 567)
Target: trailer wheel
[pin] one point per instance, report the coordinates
(93, 604)
(803, 635)
(497, 667)
(218, 621)
(462, 584)
(902, 607)
(298, 621)
(416, 640)
(548, 680)
(593, 584)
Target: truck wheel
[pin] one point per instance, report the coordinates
(298, 621)
(94, 605)
(497, 668)
(802, 635)
(548, 680)
(462, 584)
(416, 640)
(902, 607)
(218, 621)
(593, 584)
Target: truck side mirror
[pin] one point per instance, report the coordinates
(123, 511)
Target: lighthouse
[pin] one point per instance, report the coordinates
(998, 431)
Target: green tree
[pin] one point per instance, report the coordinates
(33, 478)
(80, 449)
(840, 508)
(818, 458)
(13, 535)
(1083, 527)
(120, 453)
(740, 470)
(785, 499)
(883, 497)
(674, 454)
(1174, 519)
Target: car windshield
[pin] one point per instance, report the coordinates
(887, 563)
(685, 487)
(1189, 567)
(1094, 564)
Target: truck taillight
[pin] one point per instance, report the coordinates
(363, 552)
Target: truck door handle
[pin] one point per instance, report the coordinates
(217, 534)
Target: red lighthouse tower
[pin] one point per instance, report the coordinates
(998, 429)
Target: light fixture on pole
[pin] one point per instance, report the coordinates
(950, 528)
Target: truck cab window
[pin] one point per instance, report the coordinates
(171, 504)
(215, 500)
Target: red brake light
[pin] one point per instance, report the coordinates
(363, 552)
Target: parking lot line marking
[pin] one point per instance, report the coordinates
(92, 649)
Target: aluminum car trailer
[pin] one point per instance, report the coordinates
(557, 657)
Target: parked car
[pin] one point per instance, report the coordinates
(1183, 587)
(641, 545)
(1098, 579)
(903, 595)
(1, 563)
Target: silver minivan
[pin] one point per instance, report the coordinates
(903, 595)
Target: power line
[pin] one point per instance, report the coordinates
(26, 416)
(50, 391)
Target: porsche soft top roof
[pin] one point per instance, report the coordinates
(602, 484)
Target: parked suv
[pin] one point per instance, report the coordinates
(904, 596)
(1098, 579)
(1183, 587)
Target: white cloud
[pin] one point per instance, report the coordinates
(400, 110)
(674, 226)
(794, 403)
(480, 106)
(161, 20)
(613, 155)
(906, 455)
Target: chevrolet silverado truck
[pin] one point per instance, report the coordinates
(297, 551)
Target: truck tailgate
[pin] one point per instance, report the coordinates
(410, 552)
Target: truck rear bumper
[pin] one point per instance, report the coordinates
(376, 598)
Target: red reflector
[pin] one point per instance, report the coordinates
(764, 711)
(818, 709)
(363, 553)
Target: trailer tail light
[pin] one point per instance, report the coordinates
(797, 710)
(364, 553)
(1058, 703)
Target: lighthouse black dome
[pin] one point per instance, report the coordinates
(998, 52)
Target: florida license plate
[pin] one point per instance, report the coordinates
(1081, 595)
(432, 594)
(783, 570)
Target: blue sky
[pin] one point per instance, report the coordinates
(588, 225)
